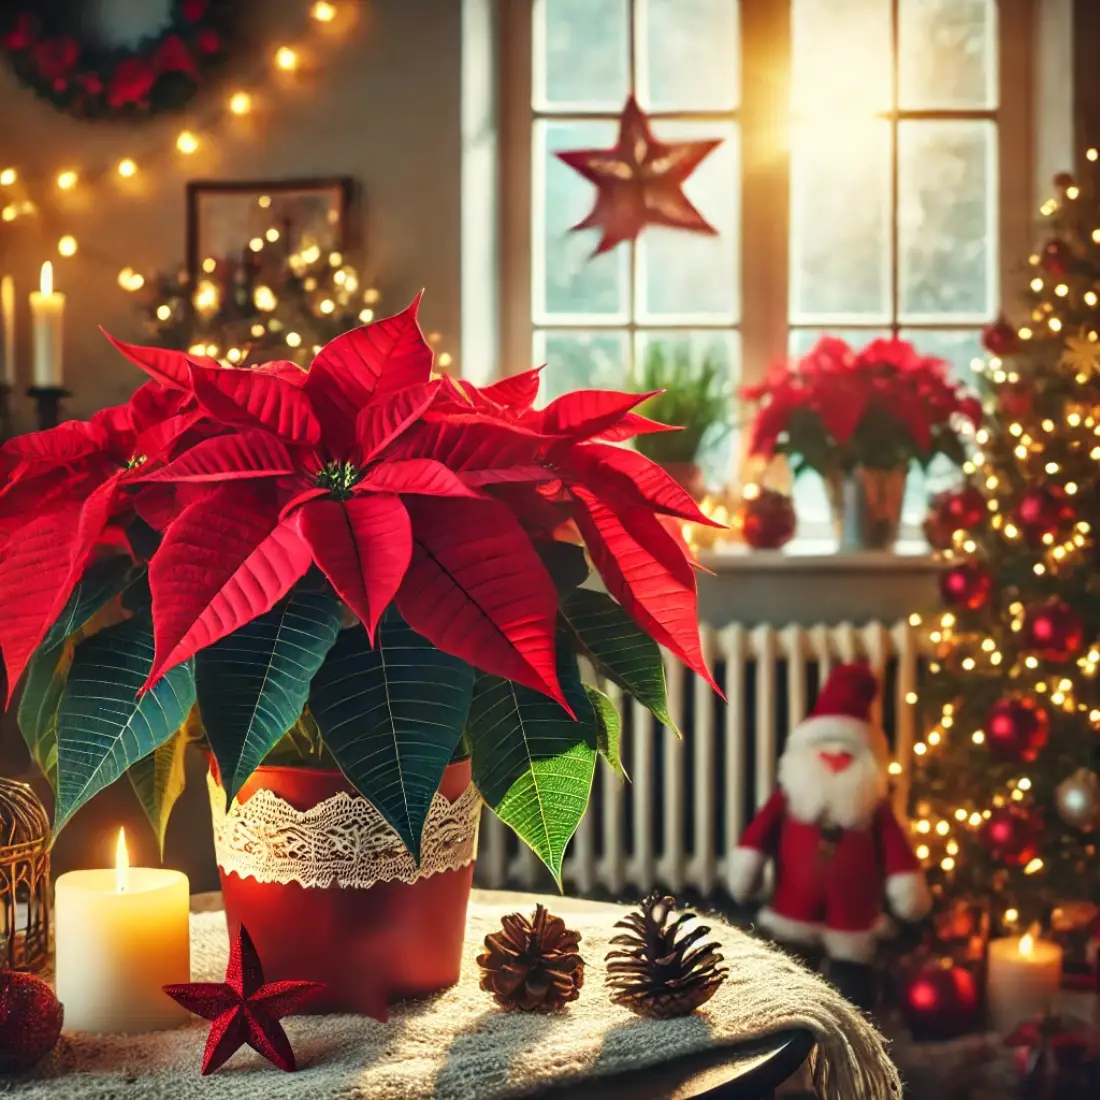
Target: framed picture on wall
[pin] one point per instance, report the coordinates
(226, 219)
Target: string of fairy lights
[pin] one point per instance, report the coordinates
(326, 276)
(1079, 431)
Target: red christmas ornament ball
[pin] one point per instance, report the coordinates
(1062, 180)
(1053, 630)
(767, 520)
(940, 1001)
(1043, 510)
(1016, 729)
(1011, 833)
(1055, 257)
(1017, 399)
(950, 511)
(30, 1020)
(967, 585)
(1000, 338)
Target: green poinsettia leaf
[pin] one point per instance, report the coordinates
(619, 649)
(103, 726)
(392, 717)
(158, 781)
(102, 582)
(608, 729)
(532, 763)
(47, 672)
(253, 684)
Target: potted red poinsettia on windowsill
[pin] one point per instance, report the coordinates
(359, 588)
(860, 419)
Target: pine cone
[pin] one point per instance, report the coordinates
(532, 965)
(661, 973)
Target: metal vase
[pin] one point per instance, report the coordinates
(866, 507)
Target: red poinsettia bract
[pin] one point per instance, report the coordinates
(399, 486)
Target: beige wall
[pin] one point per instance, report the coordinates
(383, 107)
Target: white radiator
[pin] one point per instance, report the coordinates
(636, 836)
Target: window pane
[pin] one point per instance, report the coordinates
(801, 340)
(841, 57)
(567, 279)
(580, 360)
(688, 54)
(690, 276)
(688, 353)
(581, 53)
(840, 221)
(947, 227)
(960, 347)
(948, 54)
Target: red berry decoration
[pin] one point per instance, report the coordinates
(1016, 729)
(767, 520)
(1053, 630)
(967, 585)
(1043, 510)
(30, 1020)
(1011, 834)
(940, 1001)
(1000, 338)
(1056, 257)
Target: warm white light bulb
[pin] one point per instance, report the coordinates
(286, 59)
(323, 12)
(67, 180)
(126, 168)
(240, 103)
(67, 246)
(187, 143)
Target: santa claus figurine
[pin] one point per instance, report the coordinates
(841, 858)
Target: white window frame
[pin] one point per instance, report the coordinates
(765, 178)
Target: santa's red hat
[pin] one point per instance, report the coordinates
(850, 690)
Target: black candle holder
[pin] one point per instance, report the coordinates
(48, 399)
(5, 411)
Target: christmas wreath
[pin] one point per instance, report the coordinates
(91, 80)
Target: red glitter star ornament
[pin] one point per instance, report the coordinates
(639, 181)
(243, 1009)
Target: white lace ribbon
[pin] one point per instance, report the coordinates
(343, 841)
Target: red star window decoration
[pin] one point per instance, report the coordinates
(244, 1009)
(639, 181)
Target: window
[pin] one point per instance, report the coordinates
(857, 189)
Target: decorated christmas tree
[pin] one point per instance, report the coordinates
(1007, 793)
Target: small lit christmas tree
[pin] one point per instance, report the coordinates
(1006, 790)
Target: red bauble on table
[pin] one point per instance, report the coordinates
(1000, 338)
(1011, 833)
(1053, 630)
(1056, 257)
(967, 585)
(767, 520)
(1043, 510)
(30, 1021)
(941, 1001)
(1016, 729)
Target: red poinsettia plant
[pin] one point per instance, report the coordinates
(835, 409)
(364, 564)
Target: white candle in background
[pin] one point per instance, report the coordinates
(1024, 978)
(7, 325)
(48, 314)
(121, 935)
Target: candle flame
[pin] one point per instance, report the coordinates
(1027, 944)
(45, 282)
(122, 864)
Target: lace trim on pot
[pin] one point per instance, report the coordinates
(343, 841)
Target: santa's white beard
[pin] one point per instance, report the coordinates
(815, 793)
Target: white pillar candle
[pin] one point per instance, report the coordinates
(121, 935)
(1024, 976)
(7, 324)
(48, 314)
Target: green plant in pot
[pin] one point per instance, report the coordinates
(695, 398)
(360, 589)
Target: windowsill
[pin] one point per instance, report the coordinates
(814, 555)
(809, 583)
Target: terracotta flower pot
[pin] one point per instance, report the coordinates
(328, 893)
